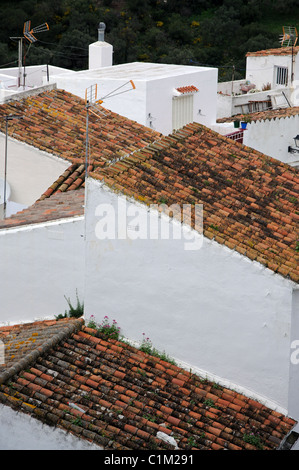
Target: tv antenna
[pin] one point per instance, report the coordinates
(289, 38)
(28, 34)
(91, 102)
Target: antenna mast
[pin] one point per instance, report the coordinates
(90, 102)
(27, 34)
(289, 38)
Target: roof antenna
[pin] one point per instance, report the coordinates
(289, 38)
(91, 100)
(28, 34)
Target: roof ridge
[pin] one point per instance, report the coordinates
(164, 142)
(23, 363)
(267, 114)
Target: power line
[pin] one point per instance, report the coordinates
(71, 47)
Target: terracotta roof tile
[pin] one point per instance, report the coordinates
(71, 179)
(276, 51)
(58, 206)
(187, 89)
(264, 115)
(250, 200)
(55, 121)
(119, 397)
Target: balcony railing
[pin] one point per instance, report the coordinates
(237, 135)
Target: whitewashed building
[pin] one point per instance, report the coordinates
(271, 81)
(165, 97)
(277, 67)
(221, 300)
(271, 132)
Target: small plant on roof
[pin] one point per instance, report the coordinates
(297, 245)
(147, 347)
(146, 344)
(245, 118)
(253, 440)
(209, 403)
(92, 323)
(73, 312)
(109, 329)
(78, 310)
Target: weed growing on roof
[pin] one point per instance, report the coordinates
(253, 440)
(78, 310)
(209, 403)
(106, 328)
(147, 347)
(297, 245)
(73, 312)
(92, 324)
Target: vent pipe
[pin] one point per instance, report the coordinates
(101, 32)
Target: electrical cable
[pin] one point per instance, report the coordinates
(72, 47)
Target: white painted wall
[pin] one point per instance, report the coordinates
(232, 105)
(35, 76)
(211, 308)
(20, 431)
(30, 171)
(294, 358)
(273, 137)
(100, 55)
(150, 103)
(160, 94)
(39, 265)
(260, 69)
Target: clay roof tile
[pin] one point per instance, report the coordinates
(71, 376)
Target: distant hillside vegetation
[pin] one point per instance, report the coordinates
(203, 32)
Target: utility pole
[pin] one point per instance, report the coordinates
(20, 64)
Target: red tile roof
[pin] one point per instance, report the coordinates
(119, 397)
(58, 206)
(71, 179)
(55, 121)
(277, 51)
(264, 115)
(250, 201)
(187, 89)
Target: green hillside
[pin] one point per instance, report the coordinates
(216, 33)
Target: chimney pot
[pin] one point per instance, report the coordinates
(101, 31)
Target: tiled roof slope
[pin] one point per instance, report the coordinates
(250, 201)
(276, 51)
(28, 340)
(71, 179)
(264, 115)
(58, 206)
(119, 397)
(55, 121)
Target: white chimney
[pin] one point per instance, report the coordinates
(100, 52)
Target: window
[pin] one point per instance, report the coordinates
(281, 75)
(182, 111)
